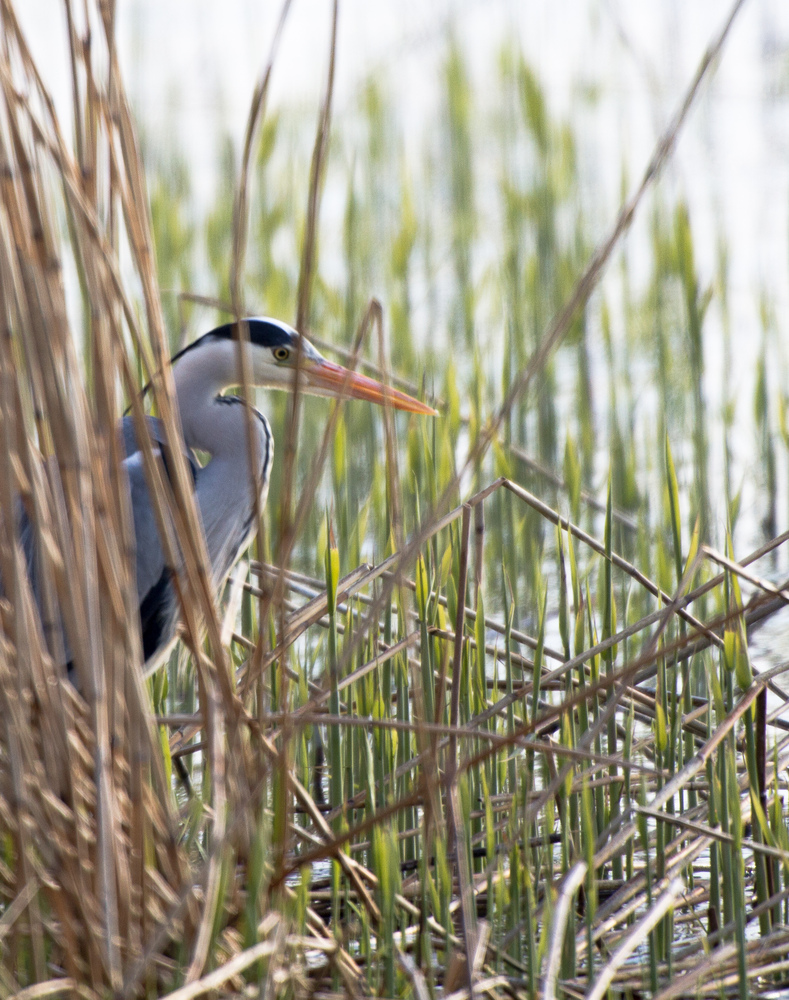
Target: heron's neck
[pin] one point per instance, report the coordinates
(216, 424)
(200, 376)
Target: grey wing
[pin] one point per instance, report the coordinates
(129, 434)
(149, 554)
(54, 633)
(158, 605)
(158, 610)
(158, 436)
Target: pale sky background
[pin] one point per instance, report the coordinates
(191, 65)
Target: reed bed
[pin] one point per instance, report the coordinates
(463, 722)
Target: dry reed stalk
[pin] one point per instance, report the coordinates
(92, 815)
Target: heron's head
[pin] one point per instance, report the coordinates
(276, 351)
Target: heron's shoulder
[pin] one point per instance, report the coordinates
(156, 430)
(128, 433)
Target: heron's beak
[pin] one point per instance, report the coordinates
(327, 379)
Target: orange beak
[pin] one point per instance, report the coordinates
(324, 378)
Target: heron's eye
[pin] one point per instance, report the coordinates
(281, 353)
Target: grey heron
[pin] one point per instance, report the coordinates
(216, 424)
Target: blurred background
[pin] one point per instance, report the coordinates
(479, 152)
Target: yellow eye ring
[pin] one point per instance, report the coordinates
(281, 353)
